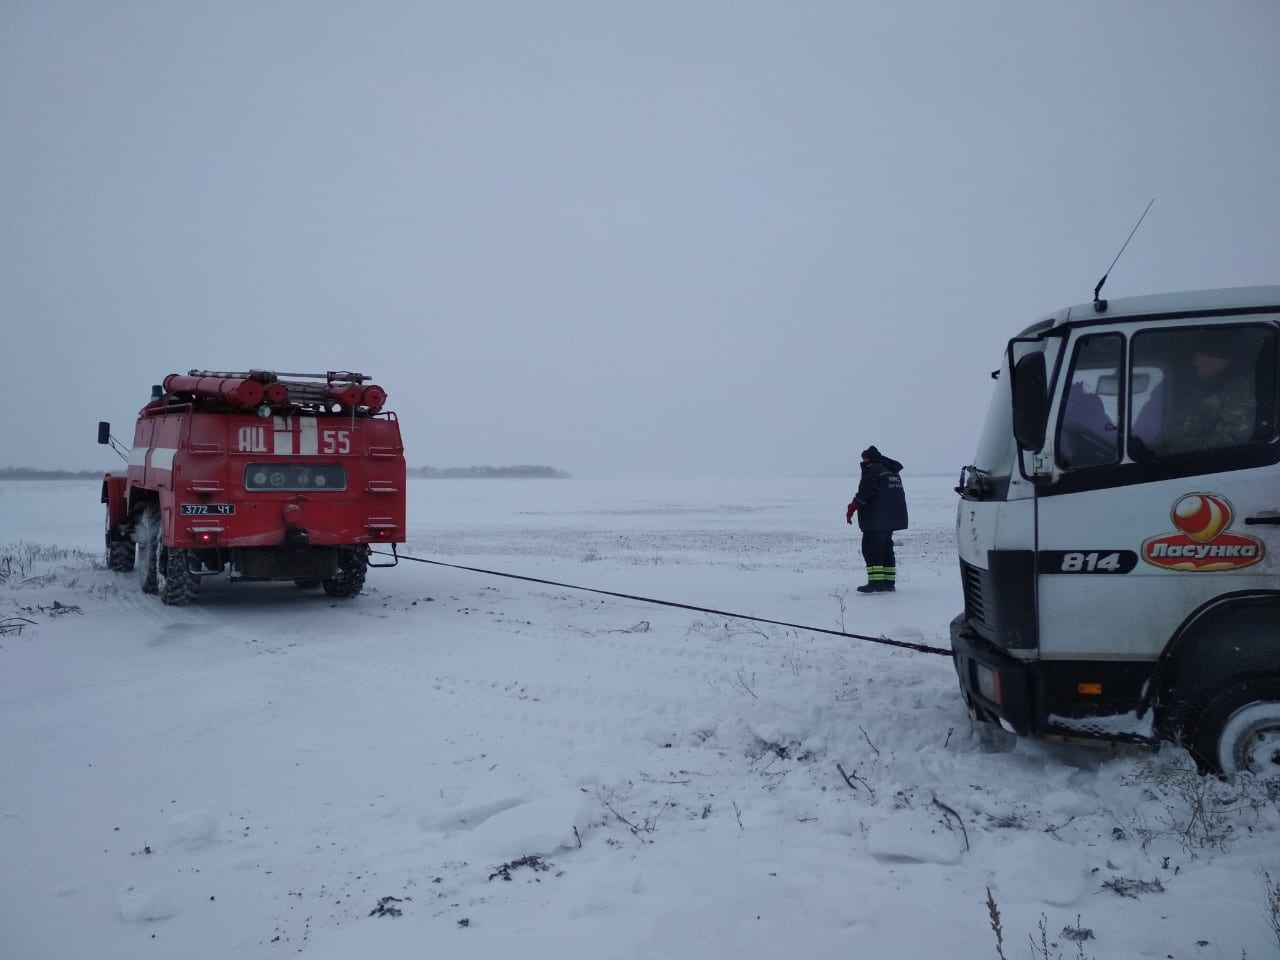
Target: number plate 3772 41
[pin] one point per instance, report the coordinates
(207, 509)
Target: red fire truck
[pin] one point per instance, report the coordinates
(261, 475)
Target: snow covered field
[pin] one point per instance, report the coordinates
(456, 765)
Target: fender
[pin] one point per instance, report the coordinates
(113, 488)
(1233, 635)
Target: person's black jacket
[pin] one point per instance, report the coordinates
(882, 503)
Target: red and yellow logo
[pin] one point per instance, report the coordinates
(1203, 541)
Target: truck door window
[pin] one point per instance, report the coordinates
(1214, 389)
(1087, 434)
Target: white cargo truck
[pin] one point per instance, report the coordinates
(1119, 529)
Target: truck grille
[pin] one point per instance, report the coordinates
(999, 602)
(977, 599)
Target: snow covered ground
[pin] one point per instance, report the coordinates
(456, 765)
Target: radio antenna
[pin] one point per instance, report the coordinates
(1100, 305)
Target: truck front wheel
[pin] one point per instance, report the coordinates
(1239, 731)
(353, 563)
(120, 553)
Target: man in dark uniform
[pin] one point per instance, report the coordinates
(881, 506)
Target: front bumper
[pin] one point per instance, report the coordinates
(996, 686)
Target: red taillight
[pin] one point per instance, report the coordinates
(381, 528)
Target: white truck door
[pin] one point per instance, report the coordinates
(1164, 492)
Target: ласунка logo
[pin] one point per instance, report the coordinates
(1203, 541)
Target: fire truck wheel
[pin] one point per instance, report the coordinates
(352, 566)
(120, 553)
(1240, 730)
(180, 583)
(146, 529)
(120, 556)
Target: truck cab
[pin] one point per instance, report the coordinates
(1119, 529)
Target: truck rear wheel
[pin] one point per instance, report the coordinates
(353, 563)
(120, 553)
(1239, 731)
(180, 583)
(146, 532)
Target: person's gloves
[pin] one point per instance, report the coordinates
(850, 510)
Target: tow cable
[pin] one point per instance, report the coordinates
(886, 641)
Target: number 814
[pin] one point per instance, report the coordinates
(1089, 562)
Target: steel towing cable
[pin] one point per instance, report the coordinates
(886, 641)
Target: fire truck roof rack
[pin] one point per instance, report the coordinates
(271, 376)
(265, 390)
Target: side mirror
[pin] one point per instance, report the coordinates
(104, 431)
(1030, 401)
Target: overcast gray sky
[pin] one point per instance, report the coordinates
(666, 237)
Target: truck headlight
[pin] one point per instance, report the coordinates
(988, 682)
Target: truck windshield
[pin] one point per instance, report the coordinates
(995, 454)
